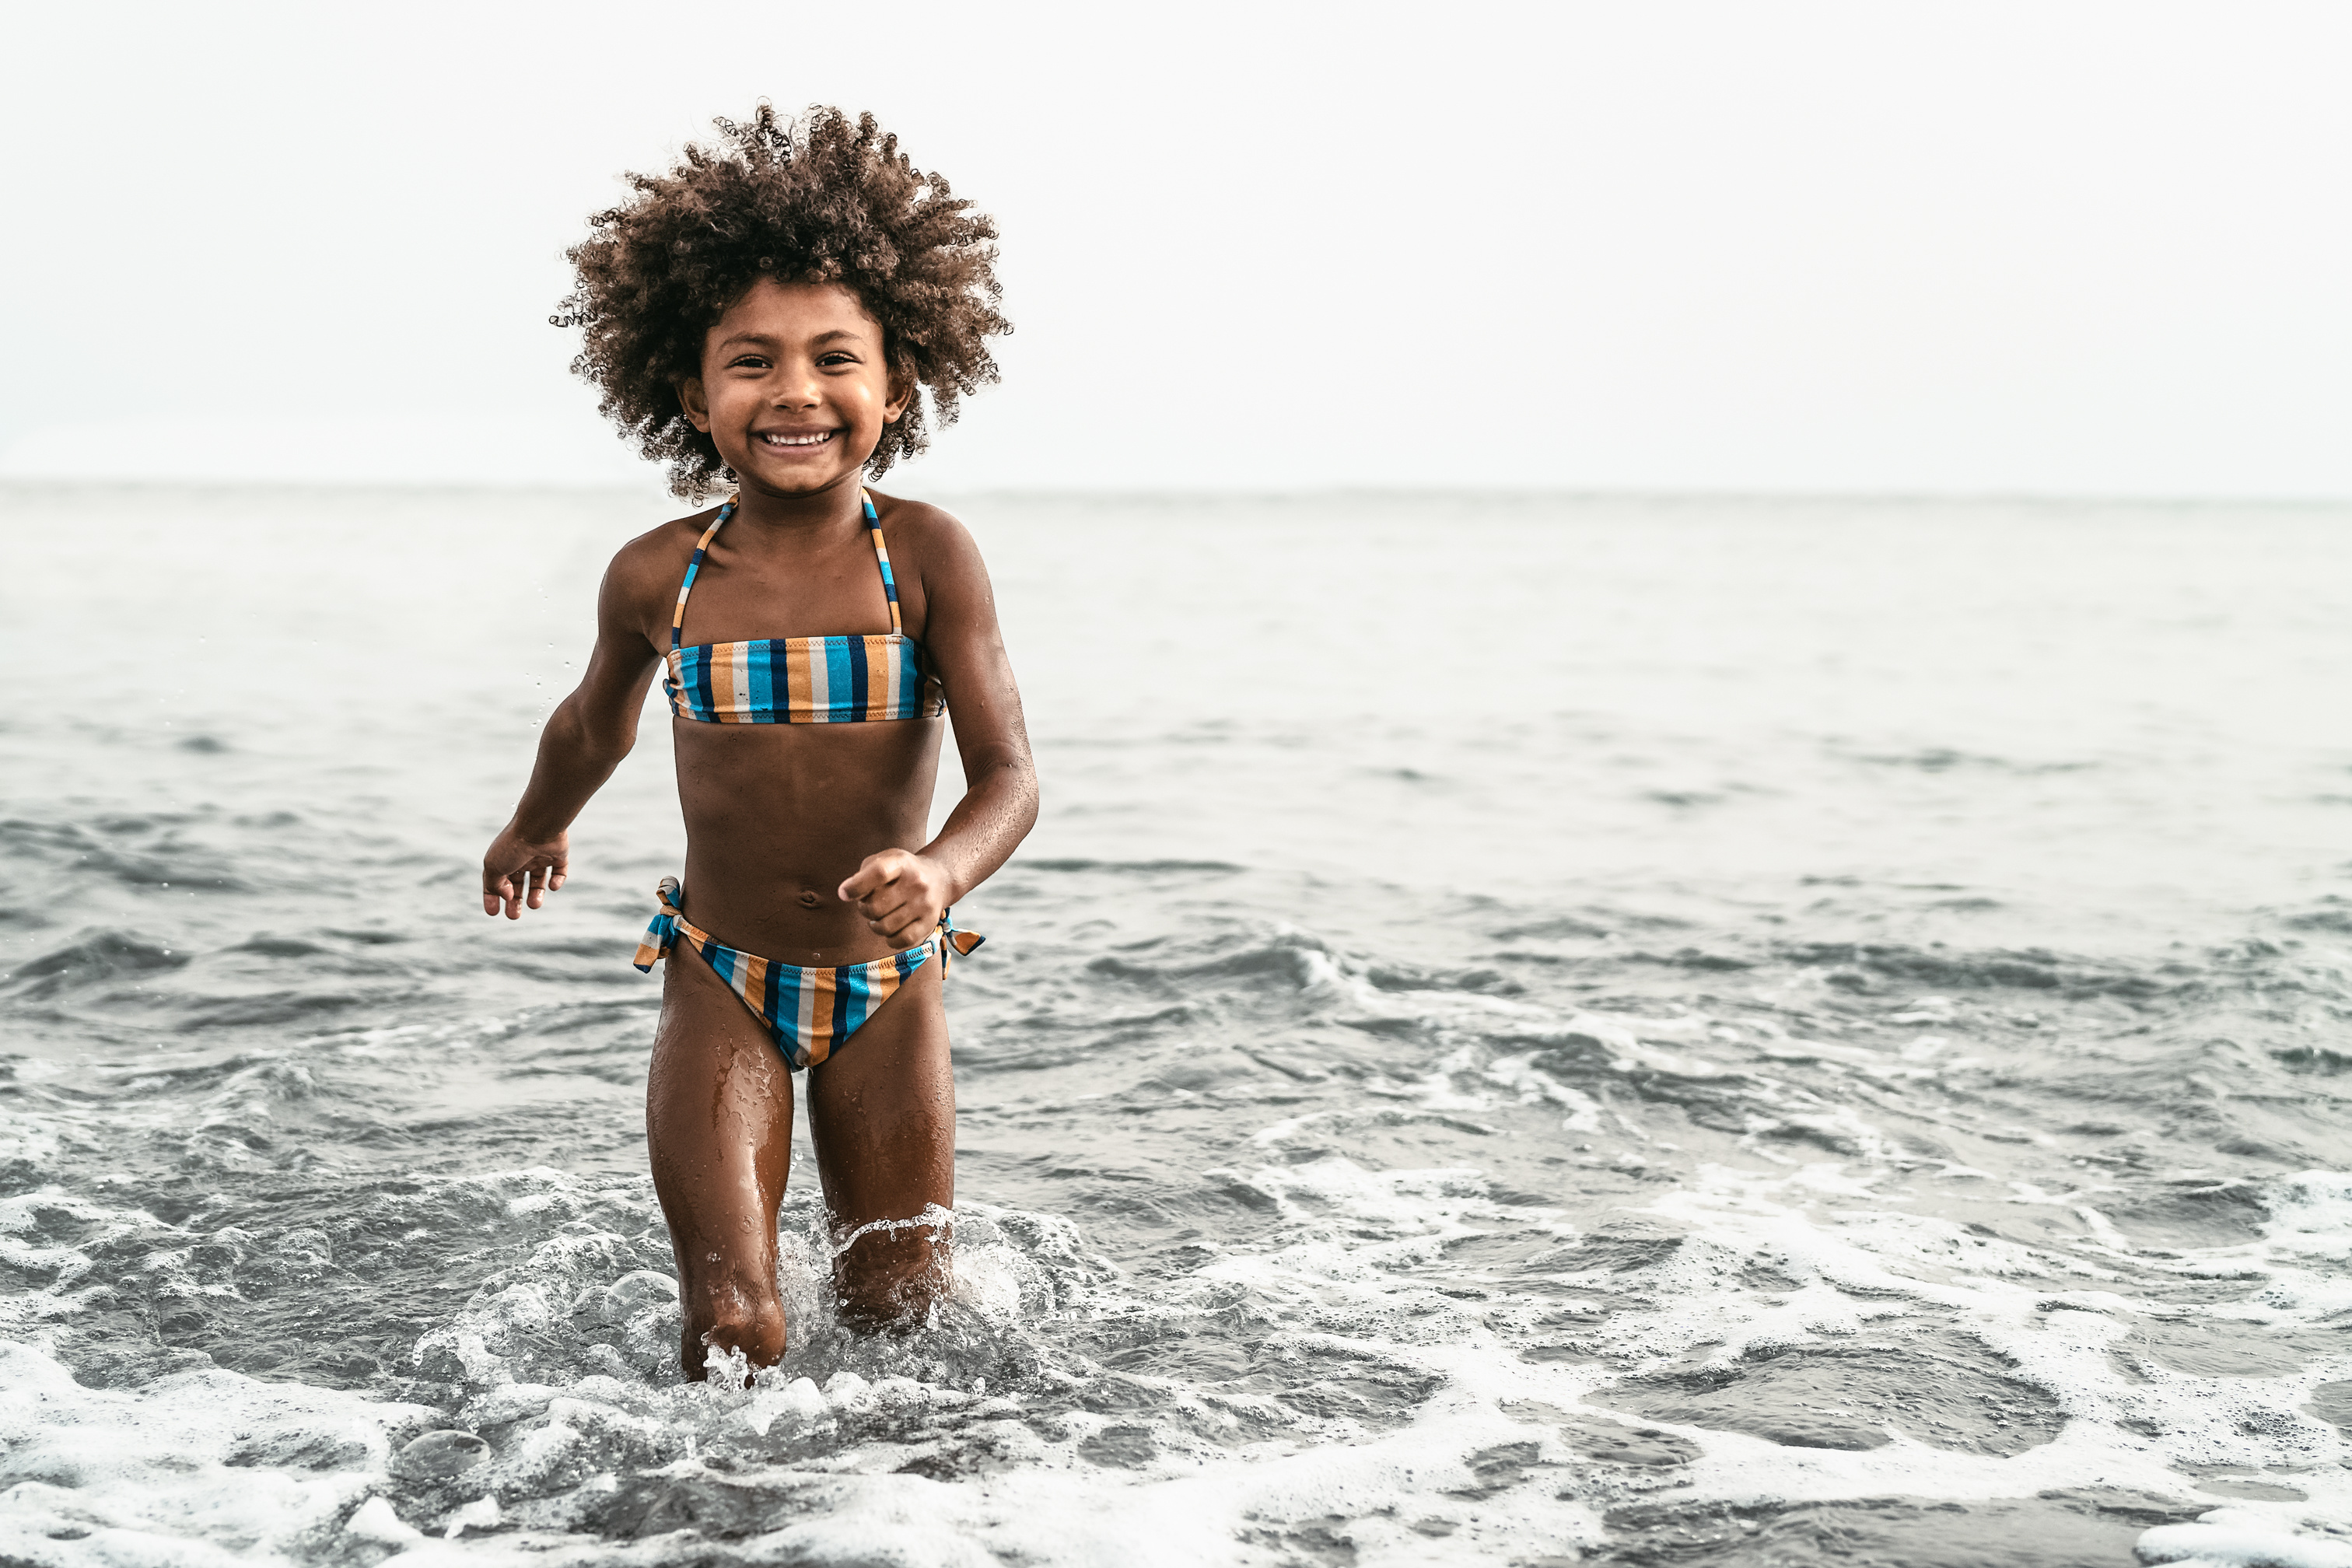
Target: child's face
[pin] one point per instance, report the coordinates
(795, 390)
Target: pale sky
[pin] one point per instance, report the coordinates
(2054, 247)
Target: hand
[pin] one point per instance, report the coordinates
(901, 895)
(518, 871)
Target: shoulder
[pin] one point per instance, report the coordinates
(645, 572)
(930, 535)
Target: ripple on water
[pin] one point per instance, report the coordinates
(1934, 1386)
(2055, 1529)
(91, 960)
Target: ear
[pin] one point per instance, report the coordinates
(895, 409)
(697, 405)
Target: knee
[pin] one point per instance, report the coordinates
(883, 1280)
(865, 1301)
(754, 1328)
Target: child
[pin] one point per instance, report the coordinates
(766, 315)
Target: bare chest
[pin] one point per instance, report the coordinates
(742, 595)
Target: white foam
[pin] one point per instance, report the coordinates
(1349, 1277)
(1903, 1264)
(199, 1467)
(482, 1513)
(2239, 1538)
(375, 1521)
(797, 1405)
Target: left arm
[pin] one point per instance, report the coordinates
(901, 892)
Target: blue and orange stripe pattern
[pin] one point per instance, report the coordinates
(800, 680)
(809, 1013)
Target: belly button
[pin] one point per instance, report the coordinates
(809, 900)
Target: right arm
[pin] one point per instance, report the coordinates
(584, 740)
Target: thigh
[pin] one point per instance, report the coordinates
(718, 1127)
(882, 1115)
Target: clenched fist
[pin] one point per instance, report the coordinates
(901, 895)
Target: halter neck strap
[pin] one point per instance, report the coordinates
(882, 556)
(702, 548)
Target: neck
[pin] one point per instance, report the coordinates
(804, 512)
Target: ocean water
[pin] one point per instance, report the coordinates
(1531, 1031)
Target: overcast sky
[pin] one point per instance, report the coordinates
(2047, 247)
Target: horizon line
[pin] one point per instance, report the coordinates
(1415, 492)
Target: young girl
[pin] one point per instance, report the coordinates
(766, 315)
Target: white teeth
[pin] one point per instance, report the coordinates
(798, 441)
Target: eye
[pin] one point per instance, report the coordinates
(836, 357)
(748, 362)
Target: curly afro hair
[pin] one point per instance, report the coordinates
(822, 201)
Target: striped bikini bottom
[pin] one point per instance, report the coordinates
(809, 1013)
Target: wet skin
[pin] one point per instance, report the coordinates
(805, 843)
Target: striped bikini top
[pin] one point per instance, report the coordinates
(800, 680)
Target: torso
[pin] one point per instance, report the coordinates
(778, 815)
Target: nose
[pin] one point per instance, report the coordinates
(795, 386)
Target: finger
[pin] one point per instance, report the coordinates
(882, 905)
(557, 874)
(878, 871)
(904, 926)
(494, 892)
(538, 888)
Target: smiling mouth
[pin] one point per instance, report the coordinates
(790, 442)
